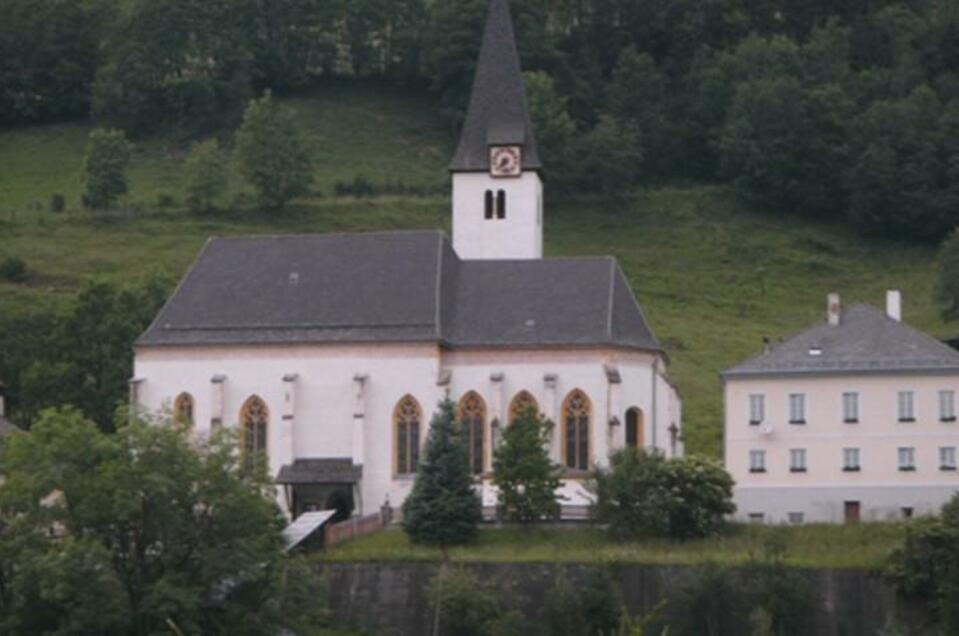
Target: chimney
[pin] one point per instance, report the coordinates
(832, 309)
(894, 304)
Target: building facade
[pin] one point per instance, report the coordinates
(854, 419)
(330, 353)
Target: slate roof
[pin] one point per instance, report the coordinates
(498, 112)
(320, 471)
(394, 287)
(865, 341)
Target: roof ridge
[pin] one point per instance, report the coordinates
(372, 233)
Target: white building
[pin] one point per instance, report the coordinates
(330, 352)
(852, 419)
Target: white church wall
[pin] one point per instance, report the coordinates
(518, 236)
(325, 398)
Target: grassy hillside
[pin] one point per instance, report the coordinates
(713, 277)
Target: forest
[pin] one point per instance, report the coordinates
(813, 108)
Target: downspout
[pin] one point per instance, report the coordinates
(655, 408)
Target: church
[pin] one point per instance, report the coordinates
(330, 352)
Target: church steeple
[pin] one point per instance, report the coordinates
(498, 114)
(497, 191)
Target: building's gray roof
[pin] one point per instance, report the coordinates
(320, 471)
(395, 287)
(498, 112)
(865, 341)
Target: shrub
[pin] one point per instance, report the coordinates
(13, 269)
(593, 610)
(926, 565)
(462, 604)
(525, 478)
(104, 167)
(645, 494)
(58, 203)
(443, 509)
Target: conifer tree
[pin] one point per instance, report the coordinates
(443, 509)
(524, 475)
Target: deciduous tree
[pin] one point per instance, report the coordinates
(525, 477)
(272, 153)
(105, 167)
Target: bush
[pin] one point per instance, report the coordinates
(463, 605)
(360, 186)
(575, 611)
(645, 494)
(58, 203)
(13, 269)
(525, 478)
(104, 168)
(926, 565)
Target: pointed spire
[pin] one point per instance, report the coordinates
(498, 112)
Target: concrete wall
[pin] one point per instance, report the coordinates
(518, 236)
(322, 412)
(390, 599)
(820, 491)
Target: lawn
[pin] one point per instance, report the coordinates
(809, 546)
(713, 276)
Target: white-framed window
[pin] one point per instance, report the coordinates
(797, 460)
(947, 458)
(796, 518)
(906, 410)
(850, 407)
(907, 458)
(947, 406)
(757, 409)
(850, 459)
(757, 461)
(797, 408)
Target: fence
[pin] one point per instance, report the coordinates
(358, 526)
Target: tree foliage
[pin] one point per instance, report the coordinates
(525, 478)
(646, 494)
(206, 176)
(272, 153)
(105, 168)
(947, 286)
(142, 532)
(82, 357)
(443, 508)
(926, 566)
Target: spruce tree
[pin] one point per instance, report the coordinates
(443, 509)
(524, 475)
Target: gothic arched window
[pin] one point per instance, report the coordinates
(501, 204)
(183, 408)
(406, 422)
(254, 423)
(522, 402)
(576, 417)
(471, 414)
(635, 435)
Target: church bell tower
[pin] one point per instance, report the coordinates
(497, 190)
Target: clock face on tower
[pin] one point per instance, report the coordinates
(505, 161)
